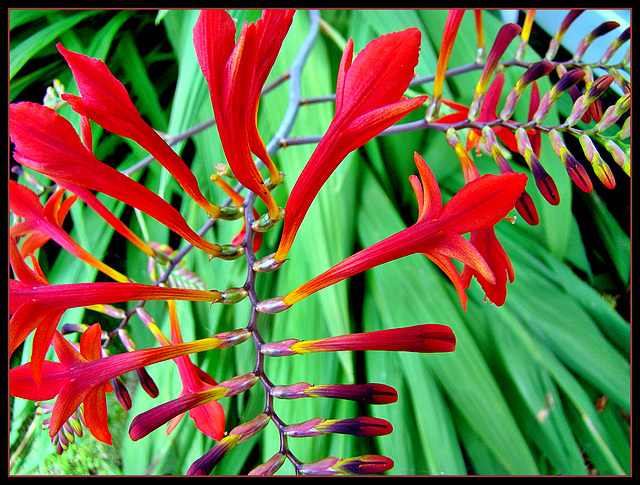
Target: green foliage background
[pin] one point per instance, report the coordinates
(518, 395)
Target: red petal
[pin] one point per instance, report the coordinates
(483, 202)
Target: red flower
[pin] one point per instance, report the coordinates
(105, 100)
(369, 99)
(480, 204)
(419, 338)
(83, 377)
(36, 305)
(43, 223)
(236, 73)
(47, 143)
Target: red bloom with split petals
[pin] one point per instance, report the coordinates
(369, 99)
(83, 378)
(104, 100)
(236, 73)
(36, 305)
(47, 143)
(480, 204)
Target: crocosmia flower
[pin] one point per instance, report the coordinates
(236, 73)
(104, 100)
(47, 143)
(480, 204)
(369, 99)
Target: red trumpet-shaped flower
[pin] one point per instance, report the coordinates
(479, 204)
(369, 99)
(209, 416)
(236, 73)
(44, 223)
(47, 143)
(37, 305)
(419, 338)
(83, 377)
(105, 100)
(451, 26)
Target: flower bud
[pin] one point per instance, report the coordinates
(625, 131)
(230, 251)
(621, 157)
(566, 81)
(600, 167)
(574, 168)
(544, 182)
(122, 394)
(615, 45)
(321, 467)
(364, 393)
(266, 222)
(360, 465)
(205, 464)
(251, 428)
(562, 30)
(270, 466)
(239, 384)
(364, 465)
(363, 426)
(599, 31)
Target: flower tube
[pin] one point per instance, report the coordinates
(419, 338)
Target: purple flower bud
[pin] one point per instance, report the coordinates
(270, 466)
(205, 464)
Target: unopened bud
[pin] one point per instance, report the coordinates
(270, 466)
(239, 384)
(247, 430)
(600, 167)
(620, 156)
(230, 251)
(266, 222)
(233, 295)
(272, 305)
